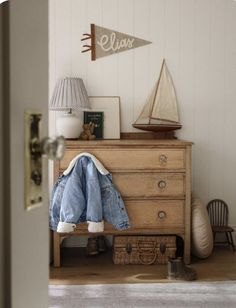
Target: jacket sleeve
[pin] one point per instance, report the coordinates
(73, 201)
(55, 202)
(94, 215)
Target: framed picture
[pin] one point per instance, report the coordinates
(110, 107)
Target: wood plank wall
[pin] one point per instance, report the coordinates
(198, 40)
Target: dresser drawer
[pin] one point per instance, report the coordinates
(156, 213)
(147, 184)
(135, 159)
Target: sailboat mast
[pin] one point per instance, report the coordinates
(163, 62)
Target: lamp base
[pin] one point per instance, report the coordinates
(69, 126)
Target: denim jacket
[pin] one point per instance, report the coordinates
(85, 193)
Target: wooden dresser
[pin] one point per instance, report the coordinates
(154, 179)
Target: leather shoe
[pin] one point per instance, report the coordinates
(92, 246)
(178, 270)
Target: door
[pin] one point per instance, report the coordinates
(26, 251)
(4, 268)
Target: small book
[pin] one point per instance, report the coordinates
(95, 117)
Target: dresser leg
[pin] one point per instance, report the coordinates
(187, 256)
(56, 250)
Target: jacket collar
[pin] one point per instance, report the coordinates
(96, 162)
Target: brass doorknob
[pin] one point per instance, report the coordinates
(35, 148)
(54, 149)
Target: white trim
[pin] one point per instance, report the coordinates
(96, 162)
(95, 226)
(65, 227)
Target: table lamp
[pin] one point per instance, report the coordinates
(69, 93)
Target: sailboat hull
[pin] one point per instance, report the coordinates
(157, 128)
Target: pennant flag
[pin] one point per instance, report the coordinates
(105, 42)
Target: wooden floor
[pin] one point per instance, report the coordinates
(77, 268)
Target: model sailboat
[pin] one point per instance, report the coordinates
(160, 113)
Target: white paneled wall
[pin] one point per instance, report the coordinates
(198, 40)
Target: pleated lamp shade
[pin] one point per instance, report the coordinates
(69, 94)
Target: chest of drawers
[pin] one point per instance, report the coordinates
(154, 179)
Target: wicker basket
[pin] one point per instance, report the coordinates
(143, 249)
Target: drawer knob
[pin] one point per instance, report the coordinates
(162, 215)
(162, 184)
(163, 159)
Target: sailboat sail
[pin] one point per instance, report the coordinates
(161, 106)
(165, 104)
(144, 117)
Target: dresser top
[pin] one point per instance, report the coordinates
(128, 143)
